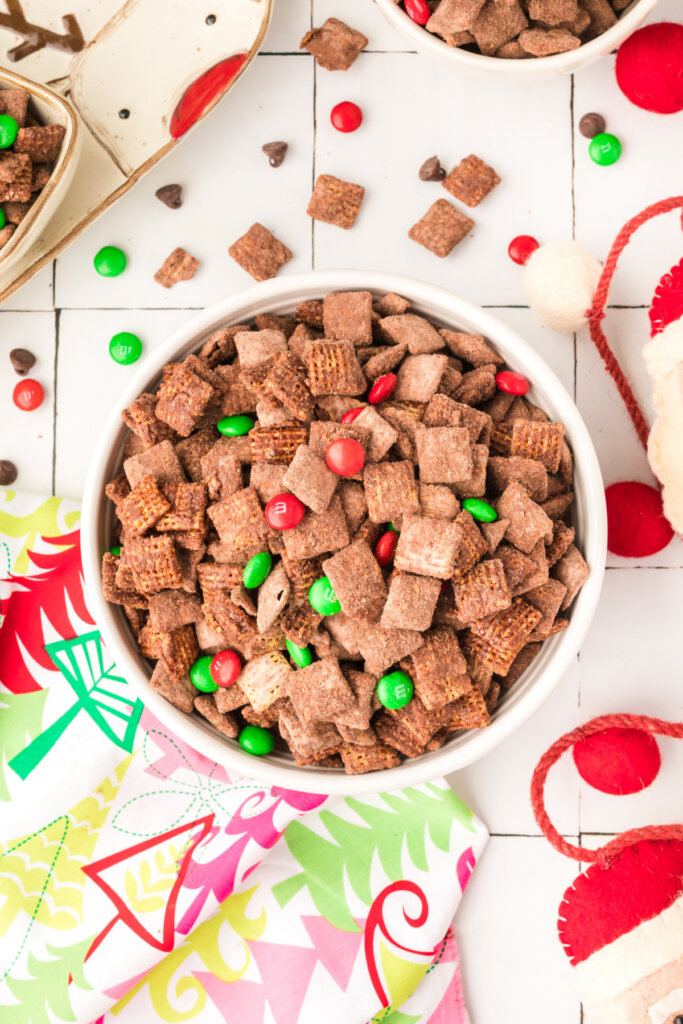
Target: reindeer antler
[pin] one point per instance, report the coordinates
(36, 37)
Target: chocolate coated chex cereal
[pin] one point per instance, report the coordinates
(182, 399)
(276, 444)
(499, 21)
(142, 508)
(541, 441)
(444, 455)
(178, 266)
(438, 669)
(528, 521)
(300, 622)
(154, 564)
(188, 510)
(357, 581)
(264, 679)
(260, 253)
(470, 545)
(411, 602)
(453, 16)
(477, 385)
(254, 347)
(361, 759)
(347, 316)
(310, 480)
(467, 712)
(179, 692)
(548, 599)
(112, 589)
(438, 501)
(179, 650)
(502, 637)
(286, 384)
(483, 591)
(225, 723)
(239, 519)
(171, 609)
(475, 484)
(395, 735)
(218, 576)
(334, 45)
(427, 546)
(384, 361)
(381, 434)
(303, 573)
(318, 532)
(335, 201)
(417, 333)
(391, 490)
(528, 472)
(441, 229)
(333, 368)
(571, 570)
(471, 180)
(418, 377)
(308, 738)
(562, 537)
(229, 698)
(382, 648)
(473, 348)
(539, 573)
(319, 692)
(41, 143)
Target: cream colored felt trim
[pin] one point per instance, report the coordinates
(614, 969)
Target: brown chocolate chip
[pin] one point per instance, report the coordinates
(275, 151)
(432, 170)
(170, 195)
(8, 472)
(22, 360)
(591, 125)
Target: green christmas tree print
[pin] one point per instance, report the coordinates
(45, 995)
(21, 715)
(347, 855)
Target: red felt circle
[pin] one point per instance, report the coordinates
(345, 456)
(649, 68)
(346, 116)
(636, 526)
(225, 668)
(28, 395)
(618, 761)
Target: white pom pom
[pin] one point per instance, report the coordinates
(664, 361)
(559, 282)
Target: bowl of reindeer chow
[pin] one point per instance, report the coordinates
(344, 532)
(523, 39)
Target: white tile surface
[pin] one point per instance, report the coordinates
(513, 963)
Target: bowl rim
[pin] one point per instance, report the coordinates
(62, 164)
(561, 63)
(557, 653)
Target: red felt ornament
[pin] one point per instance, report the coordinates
(618, 761)
(649, 68)
(621, 922)
(636, 526)
(667, 303)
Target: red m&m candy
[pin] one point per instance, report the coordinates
(225, 668)
(345, 456)
(382, 388)
(512, 383)
(346, 116)
(284, 512)
(418, 10)
(28, 395)
(385, 547)
(350, 416)
(521, 248)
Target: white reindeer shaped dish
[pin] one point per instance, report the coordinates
(136, 76)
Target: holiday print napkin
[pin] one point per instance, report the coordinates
(140, 881)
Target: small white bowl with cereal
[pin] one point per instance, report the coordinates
(495, 491)
(503, 37)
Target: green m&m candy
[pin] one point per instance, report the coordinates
(8, 131)
(235, 426)
(395, 690)
(480, 510)
(301, 656)
(323, 598)
(110, 261)
(3, 219)
(256, 741)
(200, 674)
(604, 149)
(256, 570)
(125, 348)
(393, 528)
(115, 551)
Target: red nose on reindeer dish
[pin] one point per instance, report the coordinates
(476, 571)
(204, 92)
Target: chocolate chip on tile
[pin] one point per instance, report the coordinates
(591, 125)
(432, 170)
(22, 360)
(170, 195)
(8, 472)
(275, 151)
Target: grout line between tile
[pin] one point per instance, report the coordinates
(54, 401)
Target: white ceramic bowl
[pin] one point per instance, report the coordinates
(51, 108)
(519, 70)
(535, 685)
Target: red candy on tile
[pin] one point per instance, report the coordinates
(418, 10)
(350, 416)
(28, 395)
(618, 761)
(636, 526)
(284, 512)
(385, 547)
(346, 116)
(225, 668)
(345, 456)
(521, 248)
(382, 388)
(512, 383)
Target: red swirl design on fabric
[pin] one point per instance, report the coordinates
(376, 920)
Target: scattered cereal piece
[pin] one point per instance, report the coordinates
(441, 228)
(260, 253)
(335, 201)
(179, 266)
(334, 45)
(471, 180)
